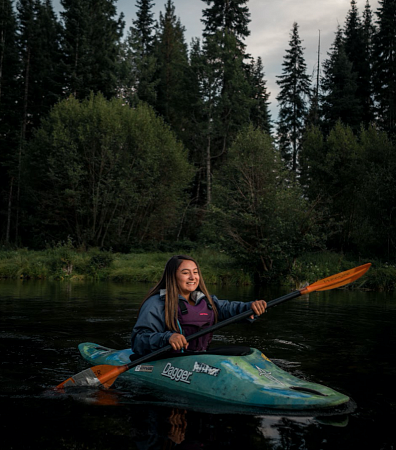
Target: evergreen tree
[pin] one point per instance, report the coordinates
(227, 16)
(260, 115)
(91, 46)
(384, 56)
(144, 25)
(230, 100)
(139, 83)
(294, 86)
(339, 99)
(172, 65)
(9, 117)
(357, 50)
(39, 82)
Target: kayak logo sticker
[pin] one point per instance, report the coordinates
(205, 368)
(142, 368)
(174, 373)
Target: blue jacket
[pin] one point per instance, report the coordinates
(150, 333)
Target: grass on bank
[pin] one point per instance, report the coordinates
(64, 262)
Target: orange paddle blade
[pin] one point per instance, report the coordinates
(103, 375)
(338, 280)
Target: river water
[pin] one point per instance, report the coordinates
(343, 339)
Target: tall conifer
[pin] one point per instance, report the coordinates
(139, 61)
(384, 57)
(9, 117)
(294, 92)
(357, 50)
(172, 63)
(91, 46)
(339, 99)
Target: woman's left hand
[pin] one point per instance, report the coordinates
(258, 308)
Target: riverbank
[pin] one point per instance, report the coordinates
(64, 262)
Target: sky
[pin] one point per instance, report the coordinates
(270, 28)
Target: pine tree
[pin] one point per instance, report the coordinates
(9, 117)
(144, 25)
(172, 65)
(357, 50)
(228, 16)
(91, 46)
(260, 115)
(230, 99)
(138, 60)
(384, 65)
(294, 86)
(39, 81)
(339, 99)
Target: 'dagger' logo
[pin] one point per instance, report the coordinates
(174, 373)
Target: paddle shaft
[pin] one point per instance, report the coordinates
(213, 328)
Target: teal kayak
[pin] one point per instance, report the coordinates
(249, 380)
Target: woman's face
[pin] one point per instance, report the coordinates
(187, 278)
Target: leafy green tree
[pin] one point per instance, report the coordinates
(332, 175)
(351, 180)
(91, 46)
(106, 175)
(376, 231)
(262, 220)
(294, 92)
(384, 60)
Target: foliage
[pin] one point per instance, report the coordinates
(124, 177)
(262, 220)
(62, 261)
(352, 178)
(109, 175)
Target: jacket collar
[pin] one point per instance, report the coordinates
(196, 295)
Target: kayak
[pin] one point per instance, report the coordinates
(247, 380)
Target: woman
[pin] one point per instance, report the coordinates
(180, 305)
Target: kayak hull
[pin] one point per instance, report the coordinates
(250, 381)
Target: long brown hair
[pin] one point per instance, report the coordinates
(168, 281)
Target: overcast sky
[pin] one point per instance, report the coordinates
(270, 27)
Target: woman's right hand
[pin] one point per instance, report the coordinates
(178, 341)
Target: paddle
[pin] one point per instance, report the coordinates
(105, 375)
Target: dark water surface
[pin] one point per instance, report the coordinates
(344, 340)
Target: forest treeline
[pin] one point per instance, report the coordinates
(126, 137)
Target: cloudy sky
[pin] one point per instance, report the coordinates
(270, 27)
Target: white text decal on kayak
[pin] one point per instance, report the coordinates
(174, 373)
(141, 368)
(205, 368)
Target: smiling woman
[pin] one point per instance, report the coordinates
(180, 305)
